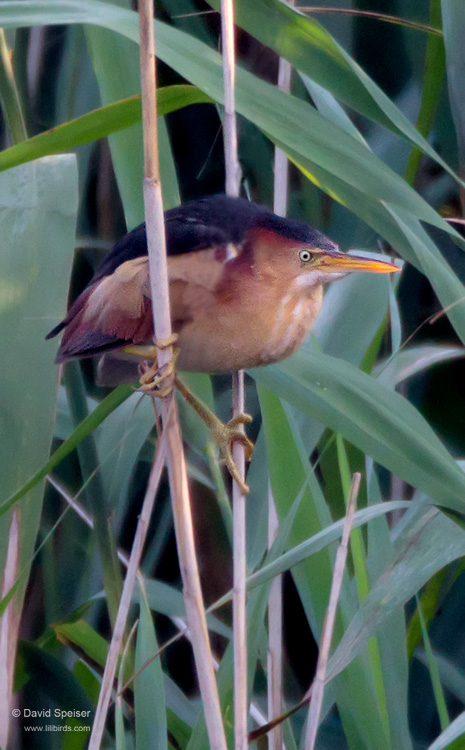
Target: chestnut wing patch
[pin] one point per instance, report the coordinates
(114, 310)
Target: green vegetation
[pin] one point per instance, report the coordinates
(377, 389)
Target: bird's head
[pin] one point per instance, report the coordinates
(301, 256)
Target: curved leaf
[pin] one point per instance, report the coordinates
(409, 362)
(97, 124)
(380, 422)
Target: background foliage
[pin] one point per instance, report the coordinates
(378, 388)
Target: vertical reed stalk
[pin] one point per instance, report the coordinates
(9, 625)
(108, 679)
(9, 96)
(239, 534)
(318, 685)
(275, 638)
(162, 326)
(275, 600)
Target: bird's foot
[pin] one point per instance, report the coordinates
(156, 380)
(224, 436)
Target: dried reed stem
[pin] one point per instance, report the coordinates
(9, 625)
(162, 325)
(98, 727)
(239, 533)
(275, 599)
(233, 172)
(328, 626)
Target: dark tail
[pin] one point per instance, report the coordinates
(55, 331)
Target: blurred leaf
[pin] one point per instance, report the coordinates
(453, 732)
(451, 675)
(435, 65)
(328, 105)
(56, 680)
(291, 122)
(104, 408)
(118, 75)
(82, 638)
(149, 693)
(409, 362)
(120, 440)
(390, 637)
(419, 555)
(453, 21)
(38, 207)
(9, 97)
(93, 487)
(169, 601)
(433, 670)
(97, 124)
(378, 421)
(311, 50)
(355, 691)
(314, 544)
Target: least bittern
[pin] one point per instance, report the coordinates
(245, 288)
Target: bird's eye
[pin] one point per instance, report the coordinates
(305, 256)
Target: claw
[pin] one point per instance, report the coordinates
(152, 377)
(224, 436)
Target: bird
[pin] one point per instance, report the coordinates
(245, 288)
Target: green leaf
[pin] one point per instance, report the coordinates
(419, 554)
(82, 638)
(378, 421)
(291, 122)
(105, 407)
(56, 681)
(149, 692)
(453, 21)
(313, 51)
(409, 362)
(100, 123)
(38, 207)
(117, 71)
(453, 732)
(169, 601)
(319, 541)
(355, 691)
(433, 670)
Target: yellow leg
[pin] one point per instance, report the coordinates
(224, 435)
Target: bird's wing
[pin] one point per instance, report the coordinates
(112, 310)
(117, 310)
(101, 318)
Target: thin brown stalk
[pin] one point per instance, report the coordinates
(275, 599)
(162, 325)
(126, 598)
(9, 625)
(233, 172)
(9, 96)
(239, 532)
(374, 15)
(275, 637)
(328, 626)
(281, 162)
